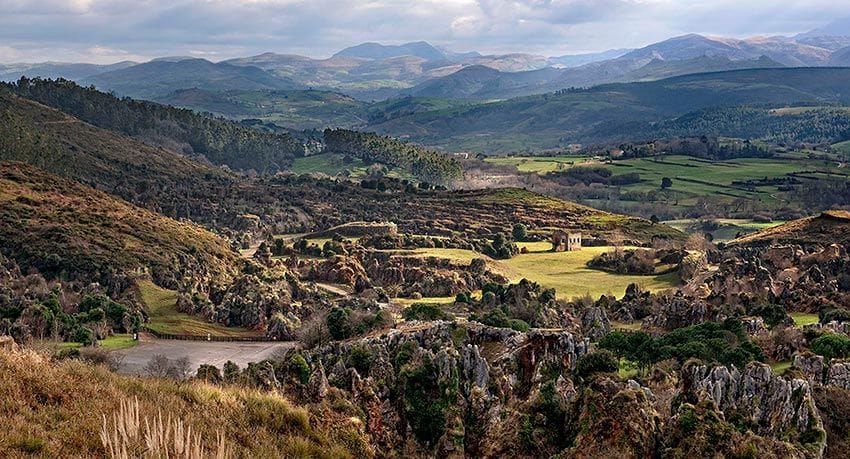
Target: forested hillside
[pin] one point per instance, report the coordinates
(219, 141)
(426, 165)
(779, 125)
(611, 112)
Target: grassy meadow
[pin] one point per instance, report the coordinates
(542, 164)
(695, 177)
(566, 272)
(165, 318)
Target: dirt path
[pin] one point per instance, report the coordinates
(198, 352)
(336, 289)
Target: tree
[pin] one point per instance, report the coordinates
(596, 362)
(831, 345)
(519, 232)
(339, 324)
(654, 219)
(208, 373)
(666, 182)
(157, 366)
(230, 372)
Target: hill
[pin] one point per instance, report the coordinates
(218, 141)
(479, 81)
(71, 71)
(160, 77)
(830, 227)
(65, 229)
(599, 114)
(841, 57)
(59, 409)
(294, 109)
(377, 51)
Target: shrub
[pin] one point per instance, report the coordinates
(425, 400)
(208, 373)
(833, 314)
(230, 372)
(519, 232)
(99, 356)
(772, 314)
(29, 445)
(339, 325)
(831, 345)
(596, 362)
(299, 368)
(360, 358)
(422, 311)
(83, 335)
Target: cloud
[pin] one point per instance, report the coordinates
(97, 30)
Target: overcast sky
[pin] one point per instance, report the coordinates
(105, 31)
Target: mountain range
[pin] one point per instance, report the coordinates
(374, 71)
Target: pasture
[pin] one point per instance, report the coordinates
(165, 318)
(542, 164)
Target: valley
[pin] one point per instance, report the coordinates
(404, 250)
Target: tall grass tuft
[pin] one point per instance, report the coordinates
(129, 435)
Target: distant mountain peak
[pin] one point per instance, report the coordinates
(378, 51)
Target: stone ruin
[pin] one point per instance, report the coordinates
(566, 242)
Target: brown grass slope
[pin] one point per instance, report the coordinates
(61, 227)
(830, 227)
(57, 409)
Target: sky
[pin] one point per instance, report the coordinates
(106, 31)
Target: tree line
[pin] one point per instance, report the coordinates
(220, 141)
(426, 165)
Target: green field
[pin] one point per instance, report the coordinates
(542, 164)
(111, 343)
(161, 305)
(425, 300)
(842, 147)
(780, 367)
(694, 177)
(802, 318)
(568, 274)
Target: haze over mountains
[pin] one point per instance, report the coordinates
(373, 71)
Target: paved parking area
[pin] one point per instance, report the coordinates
(215, 353)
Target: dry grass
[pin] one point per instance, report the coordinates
(58, 410)
(125, 436)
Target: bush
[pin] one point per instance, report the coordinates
(83, 335)
(208, 373)
(596, 362)
(772, 314)
(299, 368)
(360, 358)
(422, 311)
(519, 232)
(832, 314)
(831, 345)
(99, 356)
(339, 324)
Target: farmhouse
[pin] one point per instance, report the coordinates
(566, 242)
